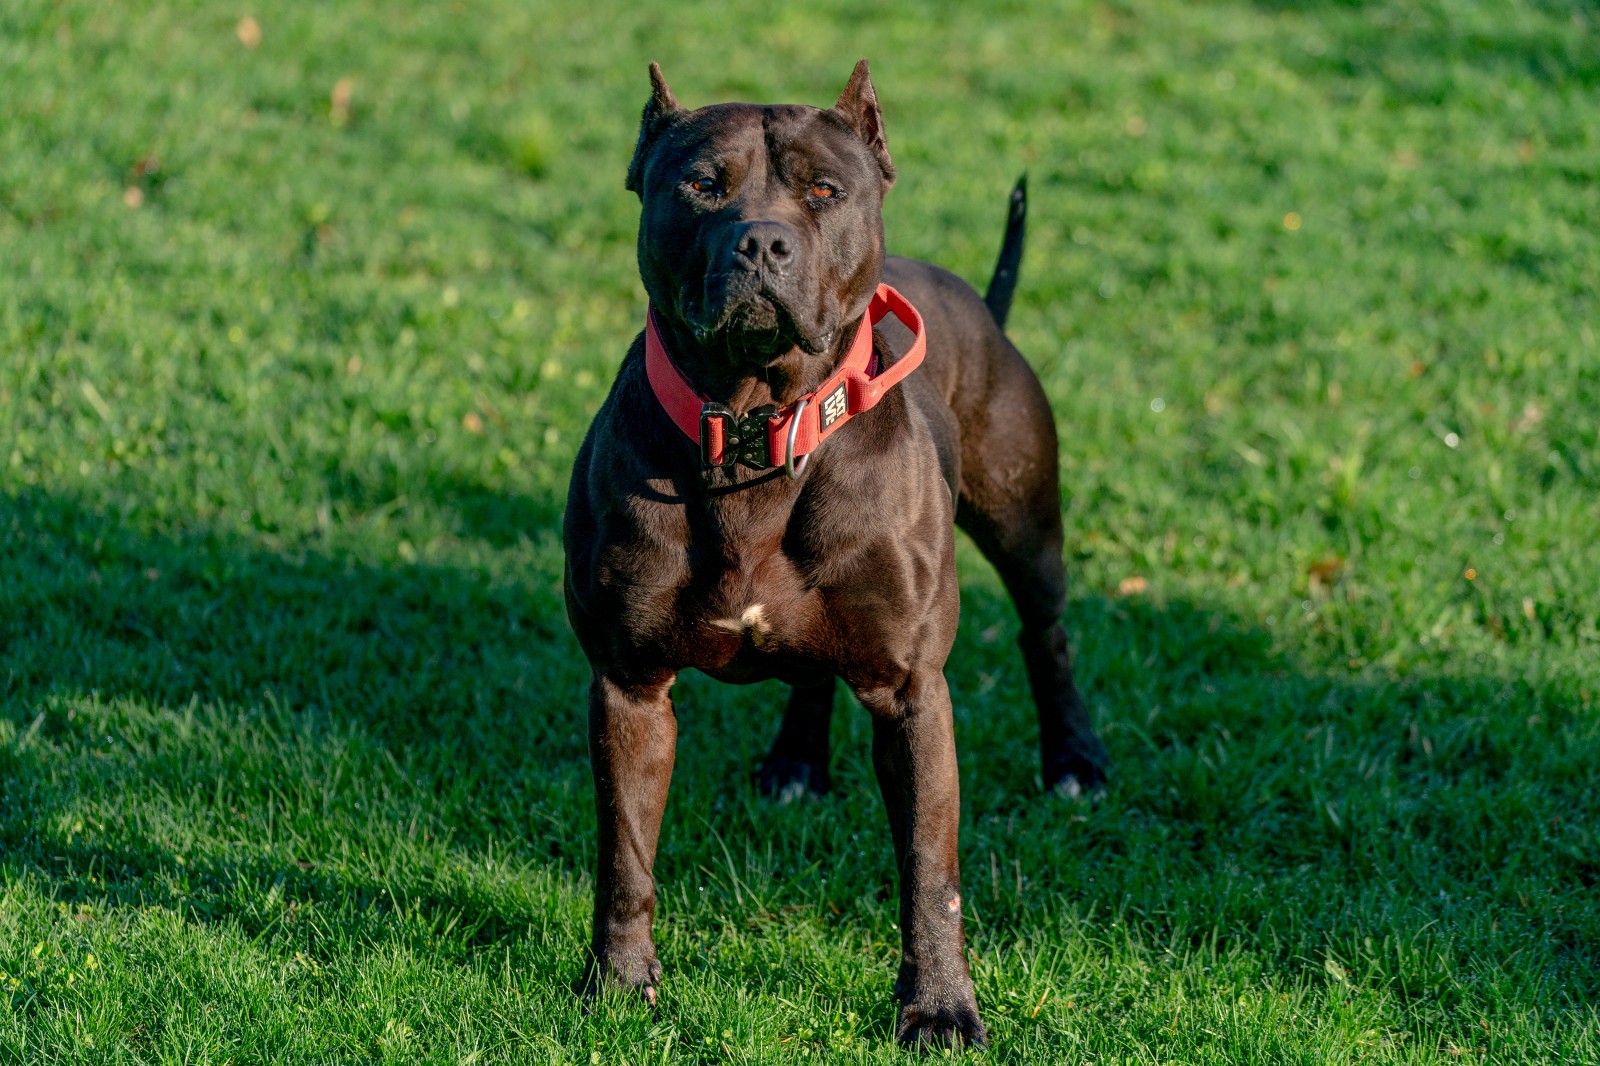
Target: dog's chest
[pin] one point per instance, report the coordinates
(743, 617)
(746, 588)
(747, 608)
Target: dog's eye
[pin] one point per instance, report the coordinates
(705, 186)
(823, 190)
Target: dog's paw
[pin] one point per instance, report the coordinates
(638, 972)
(1076, 779)
(787, 780)
(944, 1026)
(937, 1009)
(1068, 787)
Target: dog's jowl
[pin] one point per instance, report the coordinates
(769, 491)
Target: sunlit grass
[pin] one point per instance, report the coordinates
(301, 325)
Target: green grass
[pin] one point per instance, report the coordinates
(292, 759)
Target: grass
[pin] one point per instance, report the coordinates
(292, 759)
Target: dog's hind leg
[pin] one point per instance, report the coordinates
(1011, 507)
(797, 765)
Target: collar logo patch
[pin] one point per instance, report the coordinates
(834, 405)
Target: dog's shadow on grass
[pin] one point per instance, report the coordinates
(322, 704)
(206, 722)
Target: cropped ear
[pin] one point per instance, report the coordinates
(662, 104)
(858, 106)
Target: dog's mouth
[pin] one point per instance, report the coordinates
(747, 316)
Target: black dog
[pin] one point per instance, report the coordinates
(769, 491)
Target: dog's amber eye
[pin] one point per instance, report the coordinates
(821, 190)
(704, 186)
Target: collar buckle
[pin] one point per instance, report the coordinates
(727, 440)
(755, 449)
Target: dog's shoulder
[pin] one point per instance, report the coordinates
(622, 487)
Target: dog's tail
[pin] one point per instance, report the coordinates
(1004, 283)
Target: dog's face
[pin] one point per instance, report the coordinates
(762, 228)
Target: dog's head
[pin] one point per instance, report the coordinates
(762, 228)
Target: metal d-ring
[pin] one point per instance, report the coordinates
(790, 467)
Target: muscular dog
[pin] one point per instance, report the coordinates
(767, 492)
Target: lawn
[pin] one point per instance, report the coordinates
(304, 309)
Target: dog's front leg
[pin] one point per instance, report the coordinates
(632, 738)
(914, 753)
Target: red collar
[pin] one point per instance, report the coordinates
(761, 438)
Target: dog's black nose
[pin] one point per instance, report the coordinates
(769, 245)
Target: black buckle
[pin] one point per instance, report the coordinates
(754, 449)
(744, 440)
